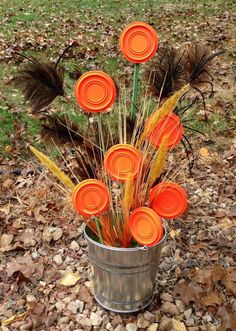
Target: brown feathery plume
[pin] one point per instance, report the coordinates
(197, 69)
(60, 129)
(166, 108)
(198, 61)
(87, 154)
(159, 162)
(40, 82)
(167, 72)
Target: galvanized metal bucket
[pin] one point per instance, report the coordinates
(123, 278)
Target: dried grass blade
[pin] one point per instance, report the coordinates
(167, 108)
(50, 165)
(159, 163)
(128, 193)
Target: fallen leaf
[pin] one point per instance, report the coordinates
(228, 318)
(47, 234)
(15, 318)
(212, 299)
(39, 218)
(24, 182)
(5, 243)
(17, 225)
(220, 213)
(16, 246)
(218, 272)
(204, 152)
(230, 286)
(8, 183)
(5, 209)
(229, 280)
(203, 276)
(57, 234)
(9, 149)
(36, 308)
(199, 246)
(231, 274)
(169, 308)
(177, 325)
(38, 314)
(41, 193)
(84, 295)
(188, 292)
(175, 233)
(69, 279)
(27, 238)
(227, 223)
(23, 264)
(214, 255)
(5, 240)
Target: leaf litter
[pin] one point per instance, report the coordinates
(197, 268)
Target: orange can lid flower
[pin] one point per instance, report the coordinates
(91, 197)
(171, 127)
(121, 160)
(138, 42)
(95, 91)
(146, 226)
(169, 200)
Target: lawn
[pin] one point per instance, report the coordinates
(44, 28)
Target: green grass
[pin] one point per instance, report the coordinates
(6, 127)
(208, 127)
(96, 25)
(31, 128)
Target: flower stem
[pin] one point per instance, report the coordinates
(99, 230)
(135, 90)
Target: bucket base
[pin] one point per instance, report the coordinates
(117, 307)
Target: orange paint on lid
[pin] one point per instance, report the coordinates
(95, 91)
(138, 42)
(146, 226)
(170, 126)
(169, 200)
(121, 160)
(91, 197)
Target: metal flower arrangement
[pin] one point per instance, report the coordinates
(124, 193)
(134, 216)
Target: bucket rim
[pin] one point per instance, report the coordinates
(123, 249)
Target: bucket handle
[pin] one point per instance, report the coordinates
(144, 248)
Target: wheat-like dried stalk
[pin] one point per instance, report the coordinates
(49, 164)
(167, 108)
(128, 193)
(159, 162)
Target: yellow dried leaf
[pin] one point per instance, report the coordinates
(6, 239)
(15, 318)
(175, 233)
(69, 279)
(204, 152)
(227, 223)
(5, 209)
(177, 325)
(49, 164)
(9, 149)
